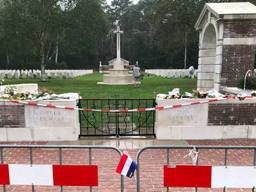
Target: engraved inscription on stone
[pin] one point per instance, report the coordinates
(43, 117)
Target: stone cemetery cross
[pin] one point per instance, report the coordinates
(118, 33)
(118, 75)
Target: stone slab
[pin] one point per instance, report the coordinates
(235, 8)
(206, 68)
(207, 60)
(56, 134)
(205, 76)
(205, 132)
(19, 134)
(22, 88)
(196, 115)
(3, 134)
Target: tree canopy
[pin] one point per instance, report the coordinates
(77, 34)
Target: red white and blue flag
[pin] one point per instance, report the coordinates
(126, 166)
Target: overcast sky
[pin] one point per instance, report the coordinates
(135, 1)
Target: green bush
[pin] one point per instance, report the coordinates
(250, 83)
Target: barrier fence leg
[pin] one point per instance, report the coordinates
(2, 162)
(254, 157)
(122, 183)
(138, 174)
(225, 164)
(90, 162)
(254, 164)
(167, 161)
(197, 163)
(31, 163)
(60, 161)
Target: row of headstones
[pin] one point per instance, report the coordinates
(36, 74)
(171, 73)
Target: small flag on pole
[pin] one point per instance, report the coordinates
(126, 166)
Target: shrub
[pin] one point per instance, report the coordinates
(250, 83)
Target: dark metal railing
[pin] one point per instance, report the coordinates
(117, 124)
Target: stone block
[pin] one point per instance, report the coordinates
(3, 134)
(217, 86)
(219, 59)
(194, 115)
(118, 79)
(239, 41)
(205, 85)
(219, 50)
(233, 132)
(207, 53)
(217, 78)
(189, 132)
(252, 132)
(218, 69)
(52, 118)
(56, 134)
(19, 134)
(205, 76)
(206, 68)
(205, 132)
(207, 60)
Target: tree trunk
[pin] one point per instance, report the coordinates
(43, 64)
(185, 50)
(7, 58)
(57, 53)
(57, 50)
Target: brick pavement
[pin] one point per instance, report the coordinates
(151, 165)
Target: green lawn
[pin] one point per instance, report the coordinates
(88, 88)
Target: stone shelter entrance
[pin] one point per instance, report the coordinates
(227, 44)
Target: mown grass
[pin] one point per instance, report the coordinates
(88, 88)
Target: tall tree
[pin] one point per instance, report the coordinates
(86, 28)
(43, 16)
(33, 25)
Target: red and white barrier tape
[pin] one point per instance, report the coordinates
(158, 108)
(49, 175)
(210, 176)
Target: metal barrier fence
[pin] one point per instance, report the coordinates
(57, 149)
(33, 153)
(226, 150)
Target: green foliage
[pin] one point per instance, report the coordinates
(37, 33)
(250, 83)
(78, 33)
(86, 28)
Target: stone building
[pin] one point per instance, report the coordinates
(227, 44)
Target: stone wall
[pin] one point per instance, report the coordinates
(170, 73)
(36, 74)
(222, 120)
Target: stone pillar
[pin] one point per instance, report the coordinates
(206, 68)
(207, 59)
(118, 65)
(118, 43)
(219, 55)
